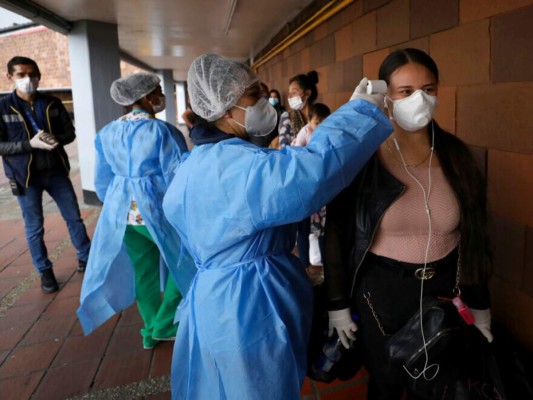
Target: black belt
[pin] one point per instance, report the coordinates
(415, 270)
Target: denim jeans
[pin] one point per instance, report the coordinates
(59, 187)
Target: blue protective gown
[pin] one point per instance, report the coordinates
(244, 325)
(133, 158)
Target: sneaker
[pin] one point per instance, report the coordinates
(48, 281)
(81, 265)
(149, 343)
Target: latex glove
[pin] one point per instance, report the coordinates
(341, 321)
(38, 141)
(482, 320)
(360, 93)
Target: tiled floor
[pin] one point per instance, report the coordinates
(43, 353)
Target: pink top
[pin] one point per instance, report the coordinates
(303, 137)
(403, 232)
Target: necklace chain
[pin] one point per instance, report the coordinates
(400, 161)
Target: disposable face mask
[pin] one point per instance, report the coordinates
(260, 119)
(27, 85)
(414, 112)
(161, 106)
(274, 101)
(296, 103)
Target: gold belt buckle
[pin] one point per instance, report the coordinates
(424, 275)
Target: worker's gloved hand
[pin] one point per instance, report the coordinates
(341, 321)
(482, 320)
(38, 142)
(360, 93)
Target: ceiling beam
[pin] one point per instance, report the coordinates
(37, 14)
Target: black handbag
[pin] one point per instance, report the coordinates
(442, 326)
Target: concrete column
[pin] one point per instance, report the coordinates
(167, 84)
(95, 64)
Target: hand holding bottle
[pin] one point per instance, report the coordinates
(342, 322)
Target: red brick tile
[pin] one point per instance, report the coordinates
(123, 369)
(364, 33)
(12, 333)
(82, 348)
(162, 359)
(71, 291)
(323, 52)
(510, 191)
(508, 246)
(369, 5)
(3, 354)
(7, 285)
(67, 381)
(496, 116)
(19, 387)
(344, 43)
(26, 313)
(107, 326)
(393, 23)
(130, 316)
(345, 391)
(471, 10)
(430, 16)
(61, 308)
(50, 329)
(126, 340)
(23, 360)
(445, 113)
(372, 61)
(34, 295)
(512, 52)
(468, 60)
(307, 388)
(420, 43)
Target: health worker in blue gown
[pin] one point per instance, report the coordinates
(135, 160)
(245, 322)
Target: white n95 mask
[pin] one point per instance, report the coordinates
(27, 85)
(296, 103)
(260, 119)
(414, 112)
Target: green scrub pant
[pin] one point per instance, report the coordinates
(156, 312)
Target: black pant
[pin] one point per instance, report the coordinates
(394, 294)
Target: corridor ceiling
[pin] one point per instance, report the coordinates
(169, 34)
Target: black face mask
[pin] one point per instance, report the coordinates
(263, 141)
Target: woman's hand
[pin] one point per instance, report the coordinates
(482, 319)
(342, 322)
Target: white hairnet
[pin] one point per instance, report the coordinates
(126, 91)
(216, 83)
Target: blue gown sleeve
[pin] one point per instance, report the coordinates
(173, 147)
(288, 185)
(103, 174)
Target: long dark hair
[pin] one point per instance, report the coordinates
(307, 82)
(400, 57)
(470, 188)
(462, 174)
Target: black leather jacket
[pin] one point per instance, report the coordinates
(353, 218)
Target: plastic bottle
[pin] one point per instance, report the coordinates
(331, 353)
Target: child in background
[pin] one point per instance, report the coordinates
(318, 112)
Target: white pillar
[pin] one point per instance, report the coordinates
(95, 64)
(167, 84)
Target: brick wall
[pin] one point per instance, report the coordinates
(485, 56)
(50, 50)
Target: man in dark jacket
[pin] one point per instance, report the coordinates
(33, 130)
